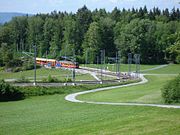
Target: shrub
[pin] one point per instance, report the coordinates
(52, 79)
(171, 91)
(67, 80)
(9, 93)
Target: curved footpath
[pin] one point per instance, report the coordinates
(72, 97)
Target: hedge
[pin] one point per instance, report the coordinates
(9, 93)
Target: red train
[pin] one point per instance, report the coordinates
(55, 63)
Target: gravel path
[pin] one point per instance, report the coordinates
(72, 97)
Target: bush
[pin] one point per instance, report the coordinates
(67, 80)
(171, 91)
(22, 79)
(52, 79)
(9, 93)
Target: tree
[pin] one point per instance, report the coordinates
(69, 43)
(137, 37)
(141, 13)
(6, 34)
(173, 51)
(97, 14)
(6, 55)
(92, 41)
(166, 12)
(19, 32)
(107, 35)
(56, 42)
(173, 14)
(35, 33)
(83, 20)
(151, 15)
(48, 34)
(115, 14)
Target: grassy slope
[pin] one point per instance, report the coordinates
(146, 93)
(43, 73)
(53, 115)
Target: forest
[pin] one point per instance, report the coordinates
(154, 34)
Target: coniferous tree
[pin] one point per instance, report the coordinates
(83, 19)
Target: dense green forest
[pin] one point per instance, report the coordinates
(154, 34)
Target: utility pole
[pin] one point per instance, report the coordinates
(65, 52)
(129, 63)
(35, 51)
(97, 60)
(97, 63)
(102, 62)
(101, 51)
(87, 53)
(118, 55)
(137, 61)
(73, 70)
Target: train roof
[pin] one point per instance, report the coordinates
(69, 62)
(54, 60)
(44, 59)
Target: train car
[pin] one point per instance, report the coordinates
(43, 61)
(69, 64)
(55, 63)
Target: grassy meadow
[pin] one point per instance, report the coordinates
(51, 114)
(43, 73)
(145, 93)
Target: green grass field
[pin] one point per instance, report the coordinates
(44, 115)
(44, 73)
(145, 93)
(123, 67)
(53, 115)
